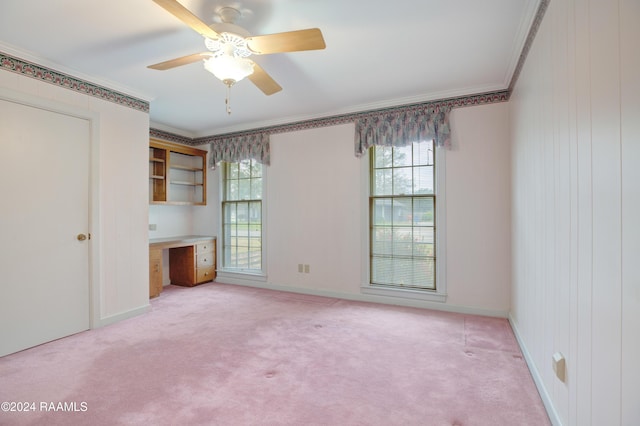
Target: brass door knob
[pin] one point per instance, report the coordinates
(81, 237)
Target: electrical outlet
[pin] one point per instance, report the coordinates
(559, 366)
(306, 269)
(300, 268)
(152, 227)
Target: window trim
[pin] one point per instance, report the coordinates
(233, 275)
(440, 293)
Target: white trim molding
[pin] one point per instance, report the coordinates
(369, 298)
(537, 378)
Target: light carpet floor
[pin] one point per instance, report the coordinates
(219, 354)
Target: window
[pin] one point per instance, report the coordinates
(242, 217)
(402, 217)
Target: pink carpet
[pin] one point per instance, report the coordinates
(226, 355)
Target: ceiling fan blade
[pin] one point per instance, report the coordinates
(291, 41)
(183, 14)
(184, 60)
(264, 81)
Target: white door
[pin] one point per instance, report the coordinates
(44, 206)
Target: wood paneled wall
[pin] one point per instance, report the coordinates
(576, 209)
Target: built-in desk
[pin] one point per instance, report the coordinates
(192, 261)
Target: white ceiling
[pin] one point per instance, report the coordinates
(378, 54)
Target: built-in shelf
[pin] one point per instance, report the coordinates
(177, 174)
(182, 182)
(192, 169)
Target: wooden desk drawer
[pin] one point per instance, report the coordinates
(204, 260)
(205, 247)
(206, 274)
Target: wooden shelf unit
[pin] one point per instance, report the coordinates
(157, 173)
(177, 174)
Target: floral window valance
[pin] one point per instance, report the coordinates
(237, 148)
(400, 128)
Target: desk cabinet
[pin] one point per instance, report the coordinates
(192, 261)
(205, 262)
(155, 272)
(192, 265)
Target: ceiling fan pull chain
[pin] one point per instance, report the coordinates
(228, 100)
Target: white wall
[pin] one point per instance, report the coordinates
(171, 220)
(576, 211)
(121, 234)
(479, 208)
(315, 212)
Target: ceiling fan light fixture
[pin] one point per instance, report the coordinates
(229, 69)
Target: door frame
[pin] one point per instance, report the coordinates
(94, 189)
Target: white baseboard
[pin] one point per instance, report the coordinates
(398, 301)
(121, 316)
(537, 378)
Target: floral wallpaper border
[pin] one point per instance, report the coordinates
(535, 26)
(170, 137)
(463, 101)
(29, 69)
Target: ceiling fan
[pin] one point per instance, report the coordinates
(229, 47)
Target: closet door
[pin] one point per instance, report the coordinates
(44, 224)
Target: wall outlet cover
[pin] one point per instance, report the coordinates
(559, 366)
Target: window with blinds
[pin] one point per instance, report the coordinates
(242, 217)
(402, 216)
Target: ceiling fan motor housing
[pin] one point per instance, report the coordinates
(228, 44)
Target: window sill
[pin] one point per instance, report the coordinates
(432, 296)
(236, 275)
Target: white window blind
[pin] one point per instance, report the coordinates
(402, 216)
